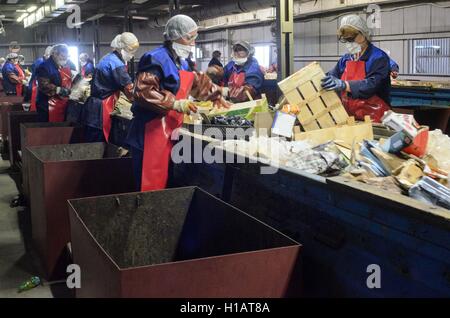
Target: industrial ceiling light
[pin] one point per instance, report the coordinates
(2, 29)
(23, 16)
(31, 9)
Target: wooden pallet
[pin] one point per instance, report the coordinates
(349, 133)
(318, 108)
(421, 84)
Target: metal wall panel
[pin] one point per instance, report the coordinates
(417, 19)
(328, 37)
(392, 22)
(395, 49)
(440, 17)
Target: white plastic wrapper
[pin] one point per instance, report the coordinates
(81, 91)
(439, 148)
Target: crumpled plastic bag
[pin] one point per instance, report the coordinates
(439, 148)
(277, 150)
(318, 162)
(81, 91)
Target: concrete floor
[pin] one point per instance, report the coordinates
(18, 262)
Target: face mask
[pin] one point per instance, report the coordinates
(83, 63)
(240, 61)
(59, 61)
(353, 47)
(182, 50)
(126, 56)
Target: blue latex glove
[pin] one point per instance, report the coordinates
(331, 83)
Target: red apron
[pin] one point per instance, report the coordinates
(108, 105)
(375, 107)
(19, 86)
(83, 71)
(57, 105)
(236, 80)
(158, 143)
(33, 96)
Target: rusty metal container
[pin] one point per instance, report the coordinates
(7, 104)
(14, 121)
(182, 243)
(43, 134)
(63, 172)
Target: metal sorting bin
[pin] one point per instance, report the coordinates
(43, 134)
(62, 172)
(14, 121)
(7, 104)
(179, 242)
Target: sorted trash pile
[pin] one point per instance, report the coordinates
(415, 159)
(400, 164)
(326, 159)
(236, 121)
(309, 130)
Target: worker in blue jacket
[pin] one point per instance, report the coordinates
(87, 66)
(32, 85)
(161, 98)
(243, 76)
(13, 76)
(362, 76)
(109, 79)
(54, 85)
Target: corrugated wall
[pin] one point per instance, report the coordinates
(34, 41)
(315, 39)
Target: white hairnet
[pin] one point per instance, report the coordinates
(179, 26)
(60, 48)
(246, 45)
(84, 56)
(12, 56)
(356, 22)
(126, 41)
(2, 60)
(21, 58)
(48, 51)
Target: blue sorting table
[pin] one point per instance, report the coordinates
(345, 227)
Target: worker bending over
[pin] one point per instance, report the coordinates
(243, 77)
(32, 85)
(362, 76)
(109, 79)
(163, 87)
(54, 85)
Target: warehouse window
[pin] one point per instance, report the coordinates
(262, 54)
(431, 56)
(73, 55)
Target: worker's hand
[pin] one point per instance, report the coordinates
(24, 82)
(221, 103)
(331, 83)
(394, 75)
(185, 106)
(225, 92)
(63, 92)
